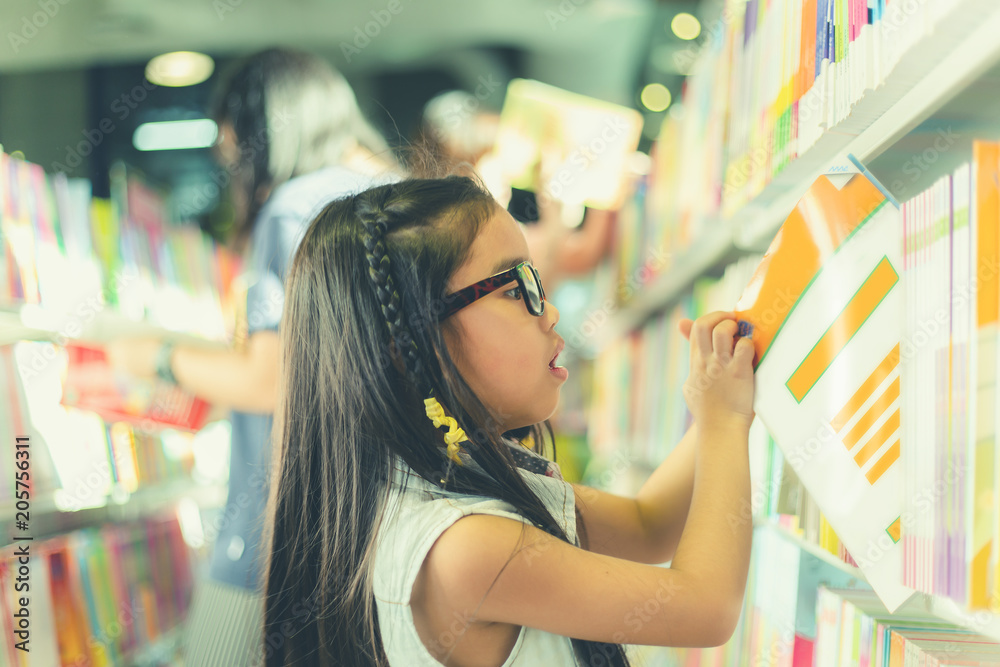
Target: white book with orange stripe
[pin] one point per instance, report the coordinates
(824, 311)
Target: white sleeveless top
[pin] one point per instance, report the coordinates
(413, 522)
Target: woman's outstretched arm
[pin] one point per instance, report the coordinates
(245, 380)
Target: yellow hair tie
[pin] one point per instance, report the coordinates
(454, 436)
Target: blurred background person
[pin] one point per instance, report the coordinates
(460, 135)
(293, 138)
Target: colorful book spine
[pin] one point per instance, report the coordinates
(98, 596)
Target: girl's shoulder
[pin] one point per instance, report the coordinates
(417, 512)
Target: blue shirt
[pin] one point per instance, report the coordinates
(237, 557)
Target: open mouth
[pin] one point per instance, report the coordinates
(552, 362)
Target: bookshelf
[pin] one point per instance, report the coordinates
(944, 85)
(983, 622)
(116, 491)
(932, 73)
(34, 322)
(51, 516)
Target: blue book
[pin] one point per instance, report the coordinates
(831, 35)
(822, 10)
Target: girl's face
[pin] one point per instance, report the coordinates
(502, 350)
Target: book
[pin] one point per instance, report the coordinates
(98, 596)
(92, 384)
(823, 311)
(587, 143)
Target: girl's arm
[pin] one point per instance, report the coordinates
(647, 528)
(245, 380)
(493, 569)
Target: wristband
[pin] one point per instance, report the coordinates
(163, 369)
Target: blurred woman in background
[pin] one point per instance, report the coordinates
(291, 138)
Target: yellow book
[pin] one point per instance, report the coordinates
(985, 207)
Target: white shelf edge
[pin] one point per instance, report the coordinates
(812, 549)
(984, 622)
(105, 326)
(45, 513)
(963, 58)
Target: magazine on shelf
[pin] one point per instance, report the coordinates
(823, 310)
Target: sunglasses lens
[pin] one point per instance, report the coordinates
(533, 287)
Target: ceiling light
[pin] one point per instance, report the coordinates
(180, 68)
(655, 97)
(685, 26)
(175, 135)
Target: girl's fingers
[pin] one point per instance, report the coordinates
(722, 338)
(743, 354)
(685, 327)
(701, 331)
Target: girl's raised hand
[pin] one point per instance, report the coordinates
(719, 388)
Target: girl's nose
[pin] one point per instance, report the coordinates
(551, 313)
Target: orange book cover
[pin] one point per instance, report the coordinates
(807, 61)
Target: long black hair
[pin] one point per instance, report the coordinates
(292, 114)
(361, 349)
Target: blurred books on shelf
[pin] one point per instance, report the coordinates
(75, 257)
(794, 82)
(928, 398)
(98, 596)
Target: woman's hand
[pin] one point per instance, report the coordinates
(134, 356)
(719, 388)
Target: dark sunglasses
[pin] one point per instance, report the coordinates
(527, 280)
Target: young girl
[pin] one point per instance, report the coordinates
(409, 525)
